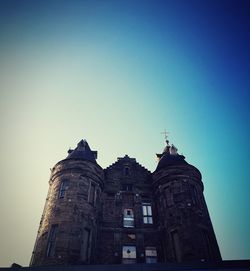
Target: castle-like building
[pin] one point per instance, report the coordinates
(124, 213)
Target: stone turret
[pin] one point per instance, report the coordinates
(68, 227)
(183, 218)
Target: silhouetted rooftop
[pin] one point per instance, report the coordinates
(171, 160)
(82, 151)
(170, 157)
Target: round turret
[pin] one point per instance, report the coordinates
(68, 227)
(183, 217)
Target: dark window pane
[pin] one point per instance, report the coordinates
(92, 193)
(63, 187)
(52, 241)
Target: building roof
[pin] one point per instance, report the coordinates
(170, 157)
(126, 160)
(82, 151)
(171, 160)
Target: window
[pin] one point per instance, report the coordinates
(128, 218)
(63, 187)
(127, 187)
(85, 246)
(126, 171)
(176, 245)
(150, 255)
(147, 213)
(206, 240)
(52, 241)
(128, 254)
(92, 193)
(194, 194)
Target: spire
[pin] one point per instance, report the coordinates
(82, 151)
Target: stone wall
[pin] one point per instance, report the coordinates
(91, 215)
(183, 216)
(68, 226)
(127, 185)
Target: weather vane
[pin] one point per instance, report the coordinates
(165, 133)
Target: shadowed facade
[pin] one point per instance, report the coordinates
(124, 213)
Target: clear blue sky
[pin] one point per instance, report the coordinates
(118, 73)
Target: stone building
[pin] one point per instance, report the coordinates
(124, 213)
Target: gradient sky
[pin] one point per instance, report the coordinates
(118, 73)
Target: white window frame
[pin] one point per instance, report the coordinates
(128, 258)
(147, 213)
(128, 219)
(150, 255)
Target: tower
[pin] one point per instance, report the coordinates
(183, 218)
(68, 228)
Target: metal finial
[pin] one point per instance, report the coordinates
(166, 136)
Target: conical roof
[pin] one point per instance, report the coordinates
(170, 157)
(82, 151)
